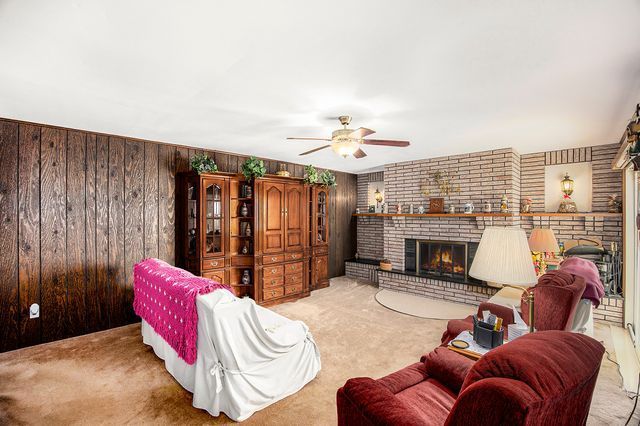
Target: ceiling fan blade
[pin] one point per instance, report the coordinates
(359, 154)
(310, 139)
(361, 133)
(384, 142)
(314, 150)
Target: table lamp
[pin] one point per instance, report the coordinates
(541, 241)
(503, 259)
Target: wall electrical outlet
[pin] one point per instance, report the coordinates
(34, 311)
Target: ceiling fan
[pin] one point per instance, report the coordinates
(346, 142)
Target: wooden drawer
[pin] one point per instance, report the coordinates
(273, 271)
(320, 250)
(208, 264)
(293, 279)
(293, 256)
(293, 289)
(272, 282)
(274, 258)
(272, 293)
(293, 268)
(216, 275)
(241, 261)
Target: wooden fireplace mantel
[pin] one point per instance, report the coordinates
(427, 215)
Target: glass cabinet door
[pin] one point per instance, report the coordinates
(213, 218)
(192, 212)
(321, 219)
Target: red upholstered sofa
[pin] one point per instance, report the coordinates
(556, 295)
(544, 378)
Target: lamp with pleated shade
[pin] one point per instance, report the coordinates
(543, 240)
(504, 257)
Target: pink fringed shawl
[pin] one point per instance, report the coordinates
(165, 297)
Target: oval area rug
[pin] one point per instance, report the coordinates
(424, 307)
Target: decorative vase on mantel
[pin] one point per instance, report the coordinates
(244, 210)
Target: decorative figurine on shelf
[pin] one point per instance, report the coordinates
(385, 208)
(372, 208)
(411, 208)
(247, 230)
(399, 208)
(320, 237)
(468, 208)
(246, 278)
(245, 248)
(248, 191)
(244, 210)
(436, 205)
(420, 209)
(615, 205)
(452, 209)
(486, 206)
(525, 205)
(504, 204)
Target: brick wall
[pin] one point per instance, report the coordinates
(362, 271)
(435, 289)
(611, 310)
(483, 176)
(369, 229)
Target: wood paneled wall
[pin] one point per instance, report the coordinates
(79, 209)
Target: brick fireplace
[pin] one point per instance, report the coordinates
(440, 259)
(482, 176)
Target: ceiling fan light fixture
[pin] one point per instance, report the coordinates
(345, 148)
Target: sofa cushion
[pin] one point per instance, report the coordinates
(407, 377)
(430, 399)
(448, 367)
(566, 366)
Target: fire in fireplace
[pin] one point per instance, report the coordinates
(444, 259)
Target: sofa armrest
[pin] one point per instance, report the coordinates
(364, 401)
(504, 312)
(447, 367)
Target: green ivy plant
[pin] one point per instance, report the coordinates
(327, 179)
(201, 163)
(310, 174)
(253, 168)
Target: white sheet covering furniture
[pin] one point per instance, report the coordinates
(248, 357)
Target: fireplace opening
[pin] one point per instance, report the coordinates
(442, 259)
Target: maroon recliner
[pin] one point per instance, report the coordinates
(543, 378)
(556, 295)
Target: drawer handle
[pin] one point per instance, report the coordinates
(273, 259)
(213, 263)
(273, 293)
(273, 271)
(273, 281)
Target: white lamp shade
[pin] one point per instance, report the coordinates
(503, 257)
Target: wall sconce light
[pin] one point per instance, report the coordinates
(378, 196)
(567, 185)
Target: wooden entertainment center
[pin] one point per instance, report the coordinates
(268, 238)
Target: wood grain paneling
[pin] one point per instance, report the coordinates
(166, 210)
(75, 238)
(150, 199)
(92, 298)
(29, 230)
(53, 244)
(103, 287)
(134, 217)
(9, 301)
(117, 276)
(78, 210)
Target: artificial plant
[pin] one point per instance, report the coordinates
(201, 163)
(327, 179)
(253, 168)
(310, 174)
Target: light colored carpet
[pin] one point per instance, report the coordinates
(112, 378)
(423, 307)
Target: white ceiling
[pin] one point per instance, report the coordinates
(450, 76)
